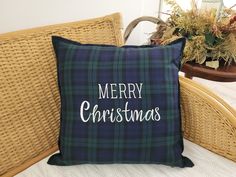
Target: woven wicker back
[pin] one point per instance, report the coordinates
(29, 97)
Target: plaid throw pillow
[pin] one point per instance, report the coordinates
(119, 104)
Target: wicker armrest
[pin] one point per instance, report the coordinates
(207, 120)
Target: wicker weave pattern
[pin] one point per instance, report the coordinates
(29, 97)
(207, 120)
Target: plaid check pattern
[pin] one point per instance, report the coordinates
(82, 67)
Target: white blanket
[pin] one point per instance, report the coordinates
(207, 164)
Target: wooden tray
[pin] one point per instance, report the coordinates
(222, 74)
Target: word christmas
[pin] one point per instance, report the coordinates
(118, 91)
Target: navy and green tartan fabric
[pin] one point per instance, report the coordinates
(119, 104)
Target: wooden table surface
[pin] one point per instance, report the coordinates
(222, 74)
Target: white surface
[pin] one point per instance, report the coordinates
(207, 164)
(23, 14)
(225, 90)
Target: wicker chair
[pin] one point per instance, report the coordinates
(30, 102)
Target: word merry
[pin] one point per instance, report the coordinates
(117, 115)
(120, 90)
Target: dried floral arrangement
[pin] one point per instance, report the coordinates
(209, 37)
